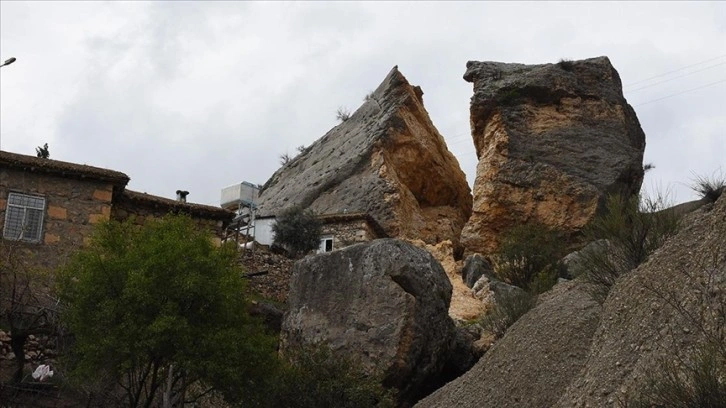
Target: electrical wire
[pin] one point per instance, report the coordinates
(676, 77)
(676, 70)
(680, 93)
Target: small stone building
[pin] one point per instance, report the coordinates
(342, 230)
(338, 230)
(49, 207)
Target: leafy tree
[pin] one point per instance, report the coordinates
(161, 311)
(42, 152)
(297, 230)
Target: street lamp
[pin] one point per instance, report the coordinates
(8, 61)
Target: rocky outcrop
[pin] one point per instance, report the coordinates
(535, 361)
(465, 305)
(552, 141)
(659, 312)
(571, 352)
(384, 302)
(387, 160)
(474, 268)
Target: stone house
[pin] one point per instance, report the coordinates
(49, 207)
(338, 230)
(342, 230)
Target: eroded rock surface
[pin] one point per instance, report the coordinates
(552, 141)
(385, 302)
(535, 361)
(658, 312)
(571, 352)
(387, 160)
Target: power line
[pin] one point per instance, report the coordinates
(676, 70)
(676, 77)
(682, 92)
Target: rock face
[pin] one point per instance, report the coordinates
(536, 359)
(640, 328)
(385, 302)
(387, 160)
(552, 141)
(571, 352)
(474, 268)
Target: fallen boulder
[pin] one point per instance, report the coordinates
(385, 302)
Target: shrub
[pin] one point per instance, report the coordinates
(633, 227)
(507, 311)
(285, 158)
(566, 64)
(342, 114)
(695, 382)
(526, 251)
(709, 188)
(315, 377)
(692, 377)
(297, 230)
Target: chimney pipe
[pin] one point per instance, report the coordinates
(181, 196)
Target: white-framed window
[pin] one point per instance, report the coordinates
(326, 244)
(24, 217)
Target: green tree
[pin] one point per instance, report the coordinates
(297, 230)
(161, 311)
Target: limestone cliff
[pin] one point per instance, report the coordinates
(552, 141)
(387, 160)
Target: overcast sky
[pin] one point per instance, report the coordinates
(202, 95)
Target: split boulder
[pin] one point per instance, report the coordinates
(387, 160)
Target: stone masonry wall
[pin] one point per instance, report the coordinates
(122, 210)
(347, 233)
(73, 206)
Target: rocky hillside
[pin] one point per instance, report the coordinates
(387, 160)
(552, 141)
(570, 352)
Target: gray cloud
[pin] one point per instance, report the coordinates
(202, 95)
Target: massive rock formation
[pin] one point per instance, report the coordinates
(388, 160)
(552, 141)
(570, 352)
(385, 302)
(534, 362)
(661, 312)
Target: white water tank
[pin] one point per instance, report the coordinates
(243, 194)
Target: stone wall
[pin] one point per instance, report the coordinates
(346, 233)
(73, 206)
(38, 349)
(143, 207)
